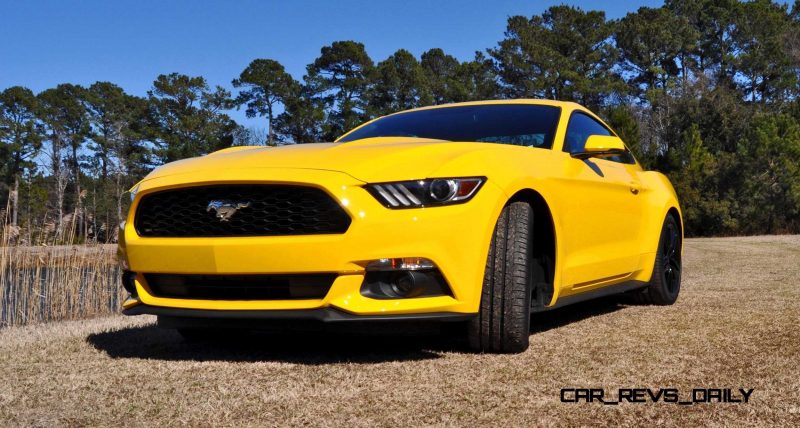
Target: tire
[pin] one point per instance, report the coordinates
(665, 284)
(503, 321)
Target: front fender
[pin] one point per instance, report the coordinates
(659, 198)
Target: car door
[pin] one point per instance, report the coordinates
(603, 216)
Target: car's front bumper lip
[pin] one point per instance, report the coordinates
(326, 315)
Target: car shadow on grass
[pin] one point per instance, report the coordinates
(566, 315)
(312, 346)
(322, 344)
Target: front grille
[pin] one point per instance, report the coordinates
(252, 210)
(241, 287)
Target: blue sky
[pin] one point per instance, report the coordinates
(44, 43)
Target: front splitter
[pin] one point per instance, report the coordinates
(320, 314)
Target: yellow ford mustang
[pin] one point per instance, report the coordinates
(481, 212)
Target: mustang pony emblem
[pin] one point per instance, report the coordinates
(225, 209)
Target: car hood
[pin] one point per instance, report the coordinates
(368, 160)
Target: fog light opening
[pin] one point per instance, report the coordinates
(403, 278)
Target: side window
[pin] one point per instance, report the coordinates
(580, 127)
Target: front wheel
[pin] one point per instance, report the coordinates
(503, 321)
(665, 284)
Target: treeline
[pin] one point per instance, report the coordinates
(706, 91)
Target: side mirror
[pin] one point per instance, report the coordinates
(601, 145)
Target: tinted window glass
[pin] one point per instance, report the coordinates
(580, 128)
(516, 124)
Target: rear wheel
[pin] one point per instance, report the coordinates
(665, 284)
(503, 321)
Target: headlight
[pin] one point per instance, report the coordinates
(423, 193)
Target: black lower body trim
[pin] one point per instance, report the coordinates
(322, 314)
(622, 287)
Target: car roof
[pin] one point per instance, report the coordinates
(554, 103)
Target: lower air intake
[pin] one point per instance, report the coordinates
(240, 287)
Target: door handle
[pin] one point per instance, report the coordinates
(635, 187)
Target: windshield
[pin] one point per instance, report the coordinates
(528, 125)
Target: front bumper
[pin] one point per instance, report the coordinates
(455, 237)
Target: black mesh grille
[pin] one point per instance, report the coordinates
(241, 287)
(263, 210)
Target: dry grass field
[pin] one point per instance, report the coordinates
(735, 325)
